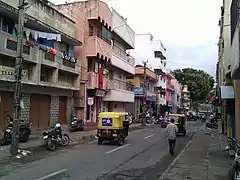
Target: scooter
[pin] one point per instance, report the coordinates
(76, 124)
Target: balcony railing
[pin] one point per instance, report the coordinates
(123, 55)
(117, 84)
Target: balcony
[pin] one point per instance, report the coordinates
(39, 12)
(7, 74)
(69, 81)
(9, 48)
(122, 29)
(96, 46)
(122, 60)
(170, 87)
(117, 84)
(98, 10)
(150, 73)
(161, 84)
(60, 62)
(118, 93)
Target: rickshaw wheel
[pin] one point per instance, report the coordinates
(120, 141)
(100, 141)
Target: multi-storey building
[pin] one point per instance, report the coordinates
(154, 51)
(140, 99)
(228, 63)
(94, 27)
(51, 73)
(105, 64)
(186, 101)
(176, 96)
(121, 65)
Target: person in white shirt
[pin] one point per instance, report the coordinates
(171, 131)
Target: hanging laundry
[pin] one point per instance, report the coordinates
(27, 31)
(35, 34)
(52, 51)
(71, 50)
(59, 38)
(29, 44)
(44, 48)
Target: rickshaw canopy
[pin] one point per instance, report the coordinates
(111, 120)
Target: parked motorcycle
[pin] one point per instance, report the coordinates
(24, 132)
(55, 138)
(76, 124)
(234, 171)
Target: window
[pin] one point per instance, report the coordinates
(5, 24)
(164, 64)
(106, 35)
(157, 54)
(90, 30)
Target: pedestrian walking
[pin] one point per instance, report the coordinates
(171, 131)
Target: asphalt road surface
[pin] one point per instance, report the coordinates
(144, 156)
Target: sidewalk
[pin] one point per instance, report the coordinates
(36, 141)
(202, 159)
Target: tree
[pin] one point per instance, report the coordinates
(199, 83)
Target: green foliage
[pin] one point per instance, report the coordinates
(199, 83)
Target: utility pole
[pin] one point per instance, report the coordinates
(144, 93)
(18, 83)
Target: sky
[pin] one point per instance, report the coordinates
(188, 28)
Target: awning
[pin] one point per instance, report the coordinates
(227, 92)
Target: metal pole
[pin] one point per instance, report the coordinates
(144, 93)
(18, 73)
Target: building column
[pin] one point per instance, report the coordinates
(54, 110)
(25, 110)
(70, 109)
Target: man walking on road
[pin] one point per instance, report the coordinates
(171, 130)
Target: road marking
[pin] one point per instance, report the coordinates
(116, 149)
(57, 175)
(149, 136)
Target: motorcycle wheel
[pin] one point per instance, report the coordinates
(50, 145)
(65, 140)
(25, 136)
(236, 176)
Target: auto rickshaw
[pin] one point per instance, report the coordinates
(113, 126)
(180, 121)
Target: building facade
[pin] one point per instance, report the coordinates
(122, 65)
(140, 99)
(94, 27)
(105, 64)
(154, 51)
(176, 96)
(186, 101)
(51, 72)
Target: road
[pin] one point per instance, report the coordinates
(144, 155)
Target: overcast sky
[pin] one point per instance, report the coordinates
(188, 28)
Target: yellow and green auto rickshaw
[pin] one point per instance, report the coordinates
(180, 121)
(113, 126)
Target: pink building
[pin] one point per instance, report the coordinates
(93, 23)
(176, 96)
(106, 37)
(169, 89)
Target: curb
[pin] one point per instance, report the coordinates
(164, 174)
